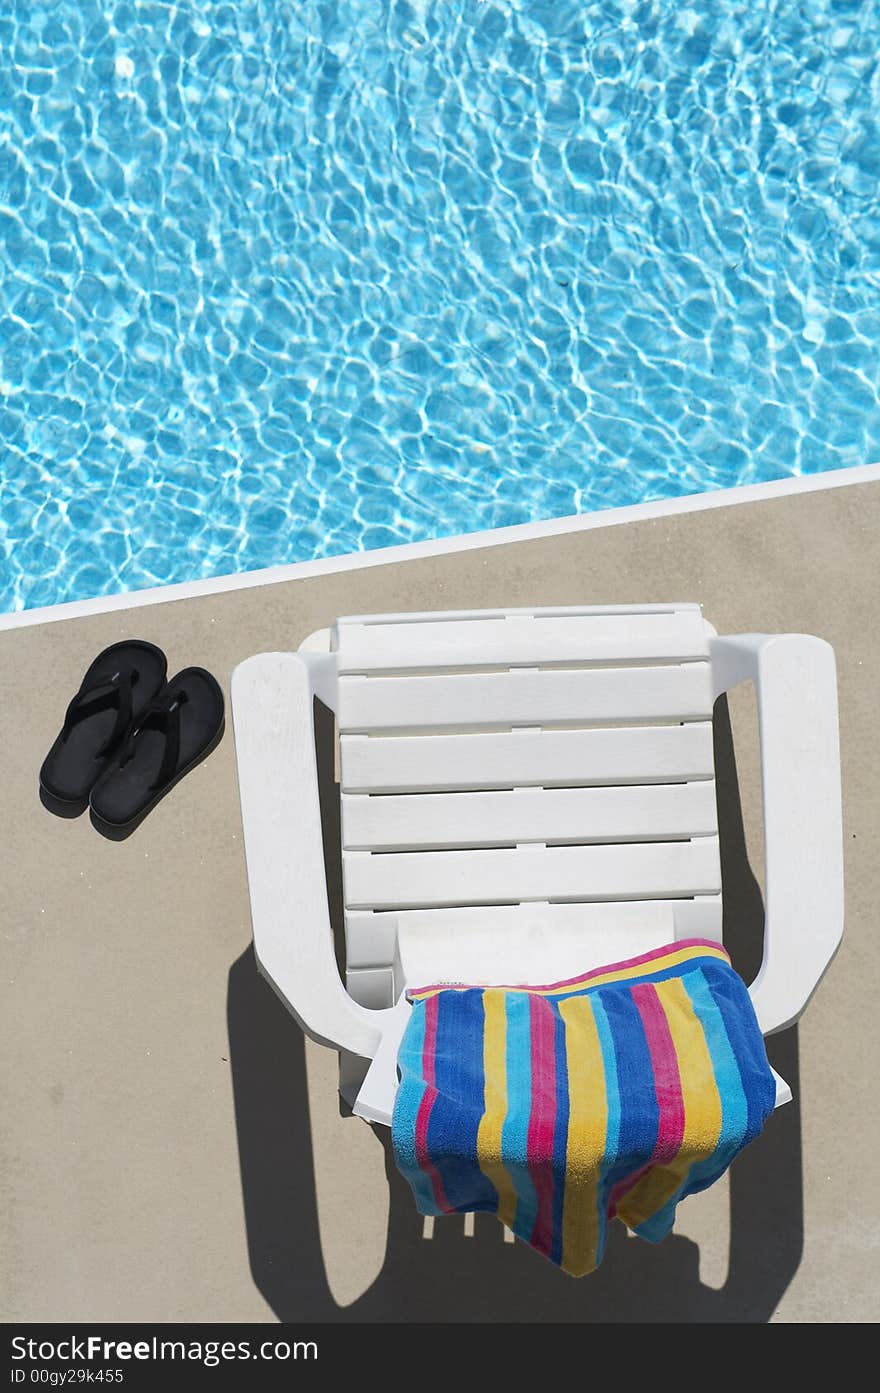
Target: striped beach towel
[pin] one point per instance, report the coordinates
(558, 1108)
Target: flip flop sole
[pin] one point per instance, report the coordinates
(114, 829)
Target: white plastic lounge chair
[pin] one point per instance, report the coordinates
(526, 794)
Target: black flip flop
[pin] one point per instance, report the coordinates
(172, 734)
(115, 690)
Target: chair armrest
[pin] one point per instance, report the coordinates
(796, 686)
(273, 712)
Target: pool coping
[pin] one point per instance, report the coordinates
(409, 551)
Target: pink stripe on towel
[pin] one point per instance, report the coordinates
(667, 1087)
(542, 1121)
(423, 1117)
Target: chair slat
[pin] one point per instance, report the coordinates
(607, 931)
(623, 872)
(629, 755)
(673, 636)
(656, 812)
(524, 696)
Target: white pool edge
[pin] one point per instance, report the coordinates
(469, 541)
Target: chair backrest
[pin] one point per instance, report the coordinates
(523, 792)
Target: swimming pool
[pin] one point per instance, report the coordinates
(283, 280)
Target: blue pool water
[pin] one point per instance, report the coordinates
(286, 278)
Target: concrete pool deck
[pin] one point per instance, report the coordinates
(170, 1148)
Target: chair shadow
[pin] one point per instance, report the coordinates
(482, 1279)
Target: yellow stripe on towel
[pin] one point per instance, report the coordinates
(495, 1104)
(587, 1126)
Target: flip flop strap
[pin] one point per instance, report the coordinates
(102, 697)
(168, 767)
(167, 718)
